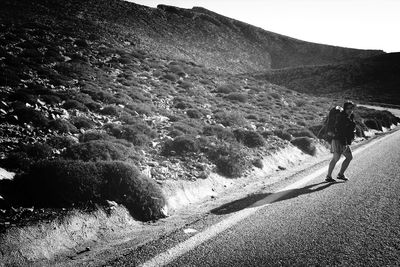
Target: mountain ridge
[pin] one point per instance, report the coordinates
(196, 34)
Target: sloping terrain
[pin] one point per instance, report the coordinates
(93, 88)
(196, 34)
(373, 79)
(101, 102)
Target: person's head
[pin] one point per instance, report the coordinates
(348, 107)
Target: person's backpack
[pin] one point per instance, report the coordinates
(327, 131)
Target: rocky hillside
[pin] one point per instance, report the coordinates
(374, 79)
(93, 88)
(196, 35)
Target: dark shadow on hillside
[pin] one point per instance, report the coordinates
(256, 200)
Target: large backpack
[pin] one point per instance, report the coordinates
(328, 129)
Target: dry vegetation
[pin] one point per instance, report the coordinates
(82, 99)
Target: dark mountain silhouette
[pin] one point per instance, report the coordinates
(374, 79)
(196, 34)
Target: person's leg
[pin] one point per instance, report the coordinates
(349, 156)
(335, 158)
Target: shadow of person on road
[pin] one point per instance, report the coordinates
(256, 200)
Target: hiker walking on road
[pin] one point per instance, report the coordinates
(343, 134)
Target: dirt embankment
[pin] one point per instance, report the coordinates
(78, 232)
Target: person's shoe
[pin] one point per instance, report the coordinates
(329, 179)
(342, 177)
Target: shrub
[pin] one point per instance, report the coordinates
(194, 113)
(185, 85)
(185, 126)
(138, 134)
(17, 160)
(140, 194)
(218, 131)
(301, 132)
(62, 126)
(232, 118)
(61, 142)
(178, 70)
(231, 161)
(65, 183)
(305, 144)
(170, 77)
(181, 145)
(74, 104)
(283, 135)
(23, 95)
(51, 99)
(239, 97)
(97, 150)
(82, 122)
(252, 117)
(26, 115)
(226, 89)
(373, 124)
(258, 163)
(140, 108)
(38, 151)
(275, 96)
(249, 138)
(267, 134)
(94, 135)
(58, 184)
(109, 110)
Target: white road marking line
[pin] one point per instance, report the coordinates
(184, 247)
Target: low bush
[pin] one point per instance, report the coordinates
(65, 183)
(109, 110)
(74, 104)
(239, 97)
(258, 163)
(226, 89)
(51, 99)
(305, 144)
(170, 77)
(185, 85)
(194, 113)
(17, 161)
(185, 126)
(231, 161)
(138, 134)
(181, 145)
(126, 185)
(178, 70)
(61, 142)
(39, 151)
(219, 132)
(140, 108)
(62, 126)
(249, 138)
(283, 135)
(30, 115)
(82, 122)
(97, 150)
(24, 95)
(373, 124)
(94, 135)
(231, 118)
(301, 132)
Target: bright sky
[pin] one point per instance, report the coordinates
(363, 24)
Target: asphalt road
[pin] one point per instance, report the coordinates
(353, 223)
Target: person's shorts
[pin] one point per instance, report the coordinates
(337, 147)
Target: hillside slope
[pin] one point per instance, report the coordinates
(105, 100)
(197, 34)
(374, 79)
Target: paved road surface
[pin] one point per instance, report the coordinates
(353, 223)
